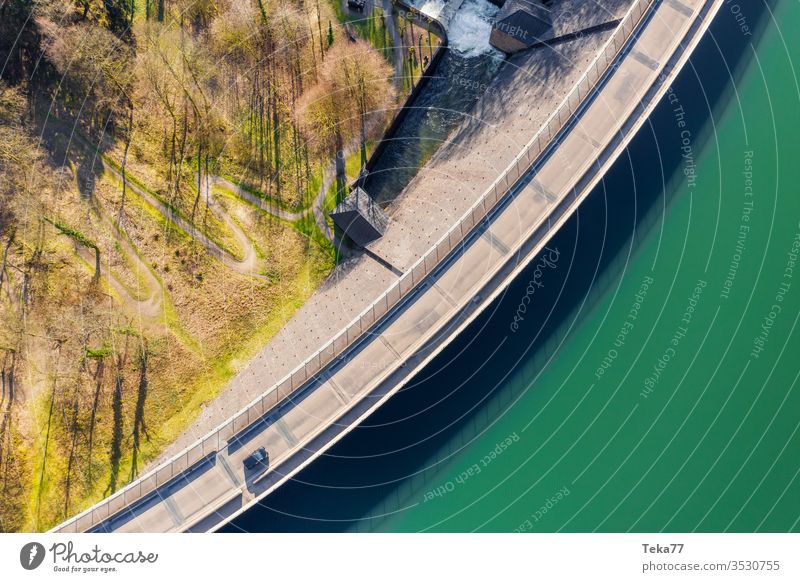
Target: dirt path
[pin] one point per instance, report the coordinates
(319, 201)
(152, 305)
(318, 204)
(148, 307)
(246, 266)
(249, 263)
(397, 42)
(257, 201)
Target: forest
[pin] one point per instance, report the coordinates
(165, 171)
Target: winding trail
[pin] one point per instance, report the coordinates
(261, 203)
(318, 204)
(319, 201)
(151, 306)
(249, 263)
(246, 266)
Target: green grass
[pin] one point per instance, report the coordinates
(131, 178)
(75, 235)
(231, 198)
(42, 479)
(217, 371)
(266, 197)
(330, 200)
(237, 254)
(306, 225)
(224, 366)
(352, 164)
(370, 27)
(315, 183)
(171, 318)
(414, 68)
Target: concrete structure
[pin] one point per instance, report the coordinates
(520, 24)
(515, 106)
(360, 219)
(439, 294)
(526, 24)
(448, 12)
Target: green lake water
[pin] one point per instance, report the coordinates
(653, 381)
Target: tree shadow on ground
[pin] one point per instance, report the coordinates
(68, 151)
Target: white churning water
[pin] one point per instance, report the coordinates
(469, 29)
(471, 26)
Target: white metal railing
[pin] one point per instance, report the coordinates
(216, 439)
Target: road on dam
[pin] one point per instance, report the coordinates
(504, 231)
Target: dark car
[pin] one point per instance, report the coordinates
(357, 5)
(256, 458)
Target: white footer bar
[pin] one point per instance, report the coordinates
(379, 557)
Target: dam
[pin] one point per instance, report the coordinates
(505, 187)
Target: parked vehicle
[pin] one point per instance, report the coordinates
(356, 5)
(256, 458)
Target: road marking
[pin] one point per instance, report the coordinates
(588, 138)
(389, 346)
(651, 64)
(542, 190)
(495, 242)
(679, 6)
(337, 390)
(119, 520)
(228, 470)
(286, 432)
(172, 509)
(446, 295)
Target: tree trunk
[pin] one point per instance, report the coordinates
(128, 137)
(319, 29)
(182, 153)
(276, 137)
(139, 427)
(11, 235)
(96, 277)
(341, 178)
(98, 385)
